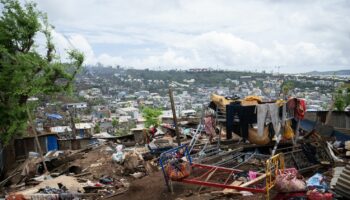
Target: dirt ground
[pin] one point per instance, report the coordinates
(153, 188)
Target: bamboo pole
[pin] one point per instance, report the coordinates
(37, 139)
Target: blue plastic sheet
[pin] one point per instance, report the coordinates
(317, 181)
(54, 116)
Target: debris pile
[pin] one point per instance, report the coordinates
(263, 150)
(89, 173)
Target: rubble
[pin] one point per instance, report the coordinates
(91, 175)
(290, 163)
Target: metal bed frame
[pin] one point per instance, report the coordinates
(221, 177)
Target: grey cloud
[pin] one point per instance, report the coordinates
(189, 33)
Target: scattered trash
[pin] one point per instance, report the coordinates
(125, 183)
(329, 145)
(108, 166)
(317, 181)
(106, 180)
(290, 181)
(246, 193)
(317, 195)
(137, 174)
(178, 169)
(50, 190)
(119, 156)
(95, 165)
(131, 161)
(32, 154)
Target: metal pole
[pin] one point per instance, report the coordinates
(174, 116)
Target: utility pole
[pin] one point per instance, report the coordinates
(174, 116)
(330, 111)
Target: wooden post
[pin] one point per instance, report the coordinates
(73, 123)
(329, 114)
(37, 139)
(174, 116)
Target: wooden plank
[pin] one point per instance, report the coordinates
(174, 117)
(253, 181)
(234, 183)
(209, 176)
(239, 183)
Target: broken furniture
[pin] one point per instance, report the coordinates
(221, 177)
(306, 156)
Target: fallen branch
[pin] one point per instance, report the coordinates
(209, 176)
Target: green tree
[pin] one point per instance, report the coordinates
(151, 116)
(286, 87)
(24, 71)
(115, 123)
(97, 128)
(342, 99)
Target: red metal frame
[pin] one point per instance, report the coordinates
(196, 180)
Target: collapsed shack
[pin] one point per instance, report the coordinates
(232, 150)
(89, 173)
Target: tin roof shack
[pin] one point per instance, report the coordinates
(339, 119)
(101, 112)
(84, 130)
(24, 145)
(62, 131)
(188, 113)
(106, 126)
(78, 106)
(139, 135)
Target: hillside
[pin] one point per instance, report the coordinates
(330, 73)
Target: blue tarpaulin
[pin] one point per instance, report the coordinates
(54, 116)
(52, 143)
(341, 136)
(307, 125)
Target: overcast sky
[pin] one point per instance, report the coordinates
(296, 35)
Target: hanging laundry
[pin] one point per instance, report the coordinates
(209, 126)
(268, 112)
(246, 116)
(274, 109)
(290, 107)
(300, 109)
(262, 114)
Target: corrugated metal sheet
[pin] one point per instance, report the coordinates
(342, 187)
(338, 119)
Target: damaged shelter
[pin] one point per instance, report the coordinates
(244, 136)
(24, 145)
